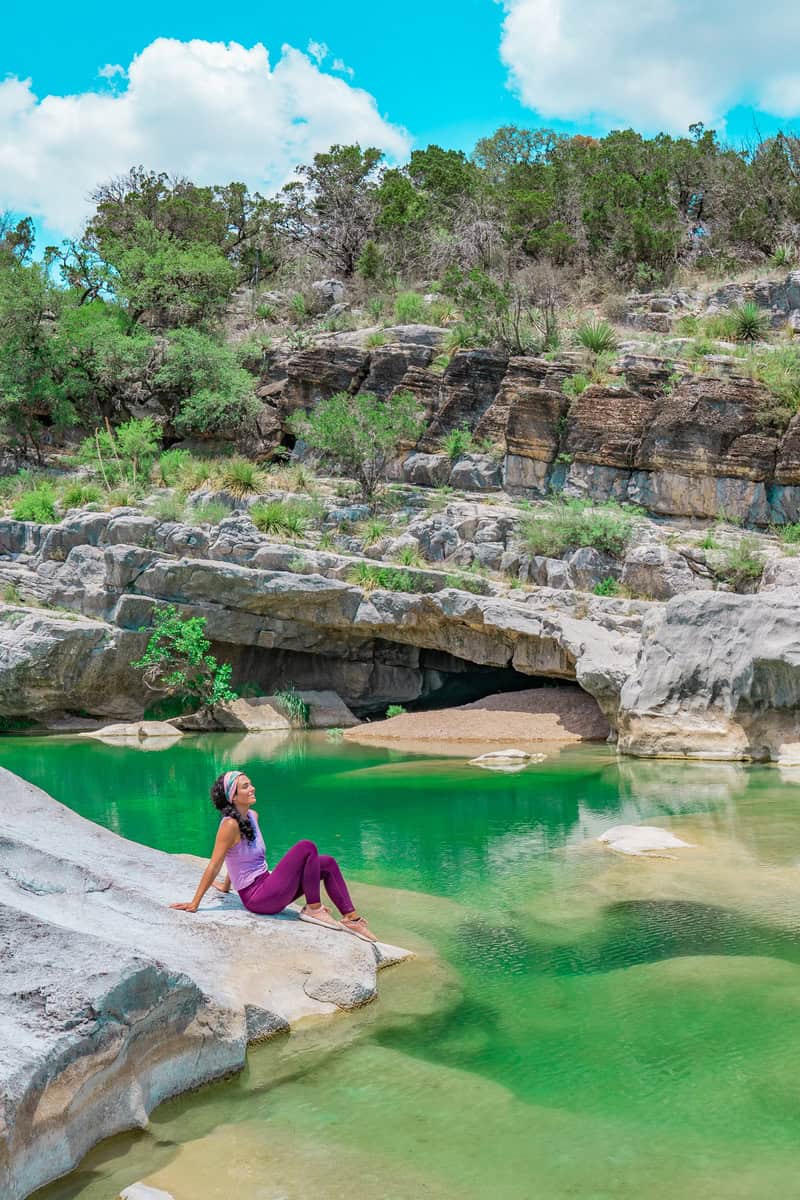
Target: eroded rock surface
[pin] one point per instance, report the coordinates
(110, 1001)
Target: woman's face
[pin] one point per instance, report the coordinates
(245, 793)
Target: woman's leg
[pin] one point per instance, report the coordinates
(297, 874)
(335, 885)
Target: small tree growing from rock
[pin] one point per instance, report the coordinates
(359, 434)
(177, 661)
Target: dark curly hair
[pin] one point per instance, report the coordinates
(221, 801)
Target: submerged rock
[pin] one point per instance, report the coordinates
(111, 1002)
(642, 840)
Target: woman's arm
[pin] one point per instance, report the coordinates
(227, 837)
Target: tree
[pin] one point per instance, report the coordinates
(32, 400)
(203, 379)
(359, 434)
(177, 661)
(330, 209)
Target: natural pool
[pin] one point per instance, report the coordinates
(577, 1024)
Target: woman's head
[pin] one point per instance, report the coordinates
(232, 792)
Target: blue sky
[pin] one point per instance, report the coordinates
(399, 75)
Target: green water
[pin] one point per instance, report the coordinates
(577, 1024)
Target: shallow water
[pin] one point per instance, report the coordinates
(578, 1024)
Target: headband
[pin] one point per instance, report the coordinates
(229, 783)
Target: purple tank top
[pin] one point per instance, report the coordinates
(246, 861)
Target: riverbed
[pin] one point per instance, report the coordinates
(576, 1024)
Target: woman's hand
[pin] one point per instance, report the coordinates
(192, 907)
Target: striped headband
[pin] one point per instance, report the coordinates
(229, 783)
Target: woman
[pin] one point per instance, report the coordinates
(241, 847)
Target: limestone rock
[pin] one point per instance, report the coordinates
(659, 573)
(118, 1001)
(718, 676)
(328, 292)
(327, 710)
(136, 731)
(255, 715)
(426, 470)
(476, 473)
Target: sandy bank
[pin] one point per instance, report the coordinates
(556, 715)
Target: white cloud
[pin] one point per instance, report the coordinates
(340, 65)
(110, 70)
(318, 51)
(653, 66)
(207, 110)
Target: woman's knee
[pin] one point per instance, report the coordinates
(327, 862)
(307, 847)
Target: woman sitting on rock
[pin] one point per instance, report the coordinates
(240, 846)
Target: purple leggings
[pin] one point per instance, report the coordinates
(297, 874)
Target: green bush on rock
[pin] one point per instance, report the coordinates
(569, 524)
(177, 661)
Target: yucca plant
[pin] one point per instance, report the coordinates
(241, 477)
(596, 336)
(373, 530)
(784, 255)
(290, 518)
(750, 323)
(409, 556)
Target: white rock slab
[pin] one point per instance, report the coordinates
(642, 840)
(135, 731)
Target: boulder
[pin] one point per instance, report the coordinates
(118, 1001)
(137, 731)
(427, 470)
(327, 710)
(476, 473)
(659, 573)
(259, 714)
(588, 567)
(328, 292)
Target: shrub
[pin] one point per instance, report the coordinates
(359, 434)
(266, 312)
(395, 710)
(439, 364)
(373, 530)
(210, 514)
(719, 325)
(388, 579)
(375, 339)
(607, 587)
(779, 371)
(12, 594)
(573, 385)
(742, 563)
(298, 308)
(409, 308)
(177, 661)
(790, 534)
(750, 323)
(409, 556)
(462, 337)
(124, 453)
(688, 325)
(170, 463)
(290, 518)
(169, 508)
(569, 524)
(326, 540)
(296, 708)
(708, 542)
(76, 494)
(596, 336)
(784, 255)
(465, 583)
(38, 504)
(457, 442)
(241, 477)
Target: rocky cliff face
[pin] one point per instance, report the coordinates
(685, 670)
(110, 1001)
(658, 435)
